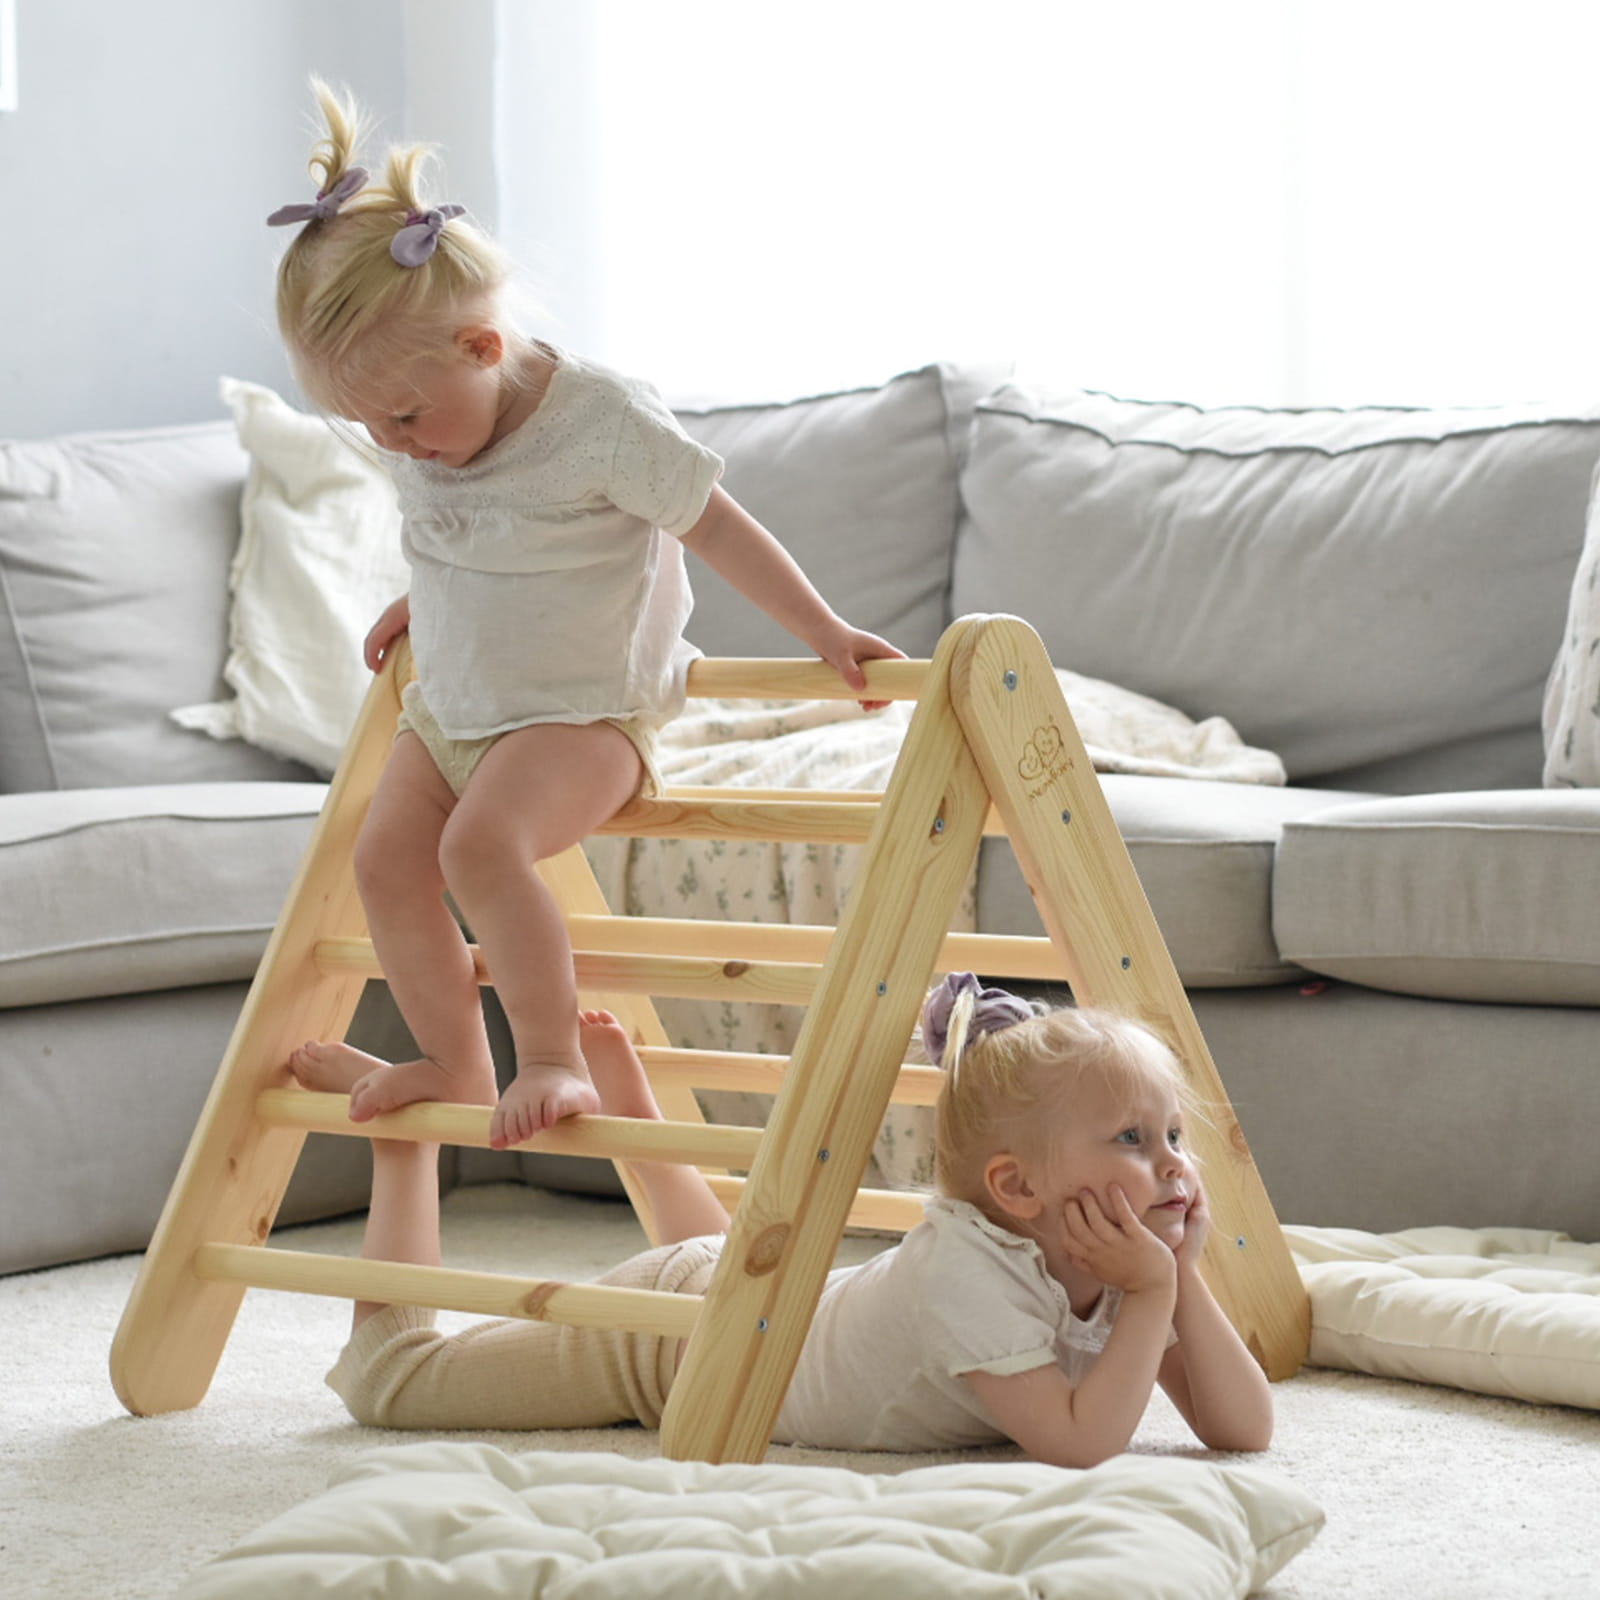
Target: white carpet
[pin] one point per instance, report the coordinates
(1430, 1494)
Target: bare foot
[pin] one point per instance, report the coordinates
(376, 1086)
(614, 1065)
(541, 1094)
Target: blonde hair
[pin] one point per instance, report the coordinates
(348, 311)
(1008, 1089)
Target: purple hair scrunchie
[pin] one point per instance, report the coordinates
(992, 1010)
(325, 205)
(419, 238)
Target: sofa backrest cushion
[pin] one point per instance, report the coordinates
(860, 487)
(1375, 594)
(114, 555)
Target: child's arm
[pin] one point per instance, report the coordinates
(731, 542)
(1067, 1425)
(1209, 1374)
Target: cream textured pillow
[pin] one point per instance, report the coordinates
(476, 1523)
(1572, 693)
(318, 559)
(1506, 1311)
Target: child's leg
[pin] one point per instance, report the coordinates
(403, 1220)
(538, 791)
(419, 946)
(680, 1197)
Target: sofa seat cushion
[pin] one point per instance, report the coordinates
(1204, 853)
(115, 891)
(1476, 896)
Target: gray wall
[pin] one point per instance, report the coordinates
(151, 140)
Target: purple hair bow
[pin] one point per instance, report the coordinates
(415, 242)
(992, 1010)
(325, 205)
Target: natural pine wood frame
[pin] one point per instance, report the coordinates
(990, 747)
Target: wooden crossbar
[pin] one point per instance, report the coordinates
(489, 1294)
(991, 747)
(780, 945)
(439, 1122)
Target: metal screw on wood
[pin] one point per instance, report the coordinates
(1010, 680)
(1127, 961)
(761, 1326)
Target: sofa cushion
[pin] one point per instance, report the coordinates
(114, 553)
(113, 891)
(860, 487)
(1479, 896)
(1204, 854)
(1374, 594)
(319, 558)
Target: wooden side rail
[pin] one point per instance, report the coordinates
(490, 1294)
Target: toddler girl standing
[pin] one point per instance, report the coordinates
(546, 502)
(1053, 1283)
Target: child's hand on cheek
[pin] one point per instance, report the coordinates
(1113, 1245)
(1196, 1229)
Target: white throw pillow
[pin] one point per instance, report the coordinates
(318, 559)
(1572, 693)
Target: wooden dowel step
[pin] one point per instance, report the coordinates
(757, 1074)
(780, 822)
(580, 1305)
(681, 977)
(883, 1210)
(753, 678)
(437, 1121)
(993, 825)
(997, 955)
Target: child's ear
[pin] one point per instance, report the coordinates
(1008, 1186)
(482, 344)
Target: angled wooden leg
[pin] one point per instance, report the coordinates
(758, 1309)
(235, 1171)
(1094, 908)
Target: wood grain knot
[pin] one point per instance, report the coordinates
(735, 969)
(535, 1301)
(767, 1250)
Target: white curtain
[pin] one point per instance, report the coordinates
(1257, 201)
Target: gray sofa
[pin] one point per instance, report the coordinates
(1394, 957)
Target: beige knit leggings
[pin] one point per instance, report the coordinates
(399, 1371)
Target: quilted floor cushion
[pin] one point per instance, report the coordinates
(469, 1520)
(1503, 1311)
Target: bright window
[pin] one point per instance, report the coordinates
(1269, 201)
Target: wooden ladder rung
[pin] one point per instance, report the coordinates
(801, 820)
(756, 678)
(443, 1122)
(581, 1305)
(757, 1074)
(882, 1210)
(1009, 955)
(681, 977)
(993, 825)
